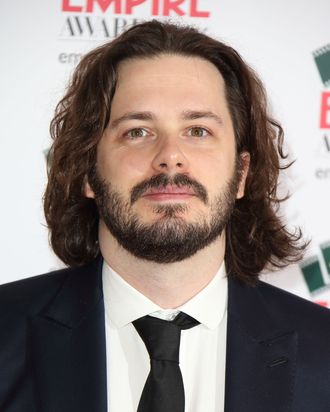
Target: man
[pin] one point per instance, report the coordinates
(162, 199)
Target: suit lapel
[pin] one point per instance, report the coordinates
(261, 355)
(68, 342)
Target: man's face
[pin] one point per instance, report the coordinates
(167, 176)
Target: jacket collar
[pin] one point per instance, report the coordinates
(68, 346)
(261, 354)
(81, 291)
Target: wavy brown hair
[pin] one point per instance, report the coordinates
(256, 237)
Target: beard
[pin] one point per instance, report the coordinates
(170, 238)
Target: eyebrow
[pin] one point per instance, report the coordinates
(185, 115)
(195, 114)
(131, 116)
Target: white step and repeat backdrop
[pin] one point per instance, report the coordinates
(287, 42)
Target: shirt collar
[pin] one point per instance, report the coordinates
(124, 304)
(210, 304)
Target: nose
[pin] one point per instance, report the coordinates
(169, 157)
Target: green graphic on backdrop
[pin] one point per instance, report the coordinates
(322, 60)
(312, 273)
(325, 248)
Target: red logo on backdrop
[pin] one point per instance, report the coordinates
(106, 19)
(325, 110)
(322, 61)
(156, 7)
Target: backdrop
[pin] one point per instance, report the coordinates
(286, 42)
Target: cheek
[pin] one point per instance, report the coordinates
(135, 162)
(122, 165)
(213, 168)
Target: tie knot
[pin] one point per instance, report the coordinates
(161, 337)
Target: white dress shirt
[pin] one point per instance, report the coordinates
(202, 348)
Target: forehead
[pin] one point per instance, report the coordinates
(169, 78)
(168, 67)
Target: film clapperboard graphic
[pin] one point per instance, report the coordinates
(322, 60)
(316, 278)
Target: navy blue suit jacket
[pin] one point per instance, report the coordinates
(52, 347)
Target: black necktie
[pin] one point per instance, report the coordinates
(163, 390)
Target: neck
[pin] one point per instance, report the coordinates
(168, 285)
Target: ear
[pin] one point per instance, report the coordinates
(88, 191)
(245, 164)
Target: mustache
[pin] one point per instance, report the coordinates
(163, 180)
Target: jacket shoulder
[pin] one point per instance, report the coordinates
(30, 294)
(294, 310)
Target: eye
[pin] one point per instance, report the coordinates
(198, 131)
(136, 133)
